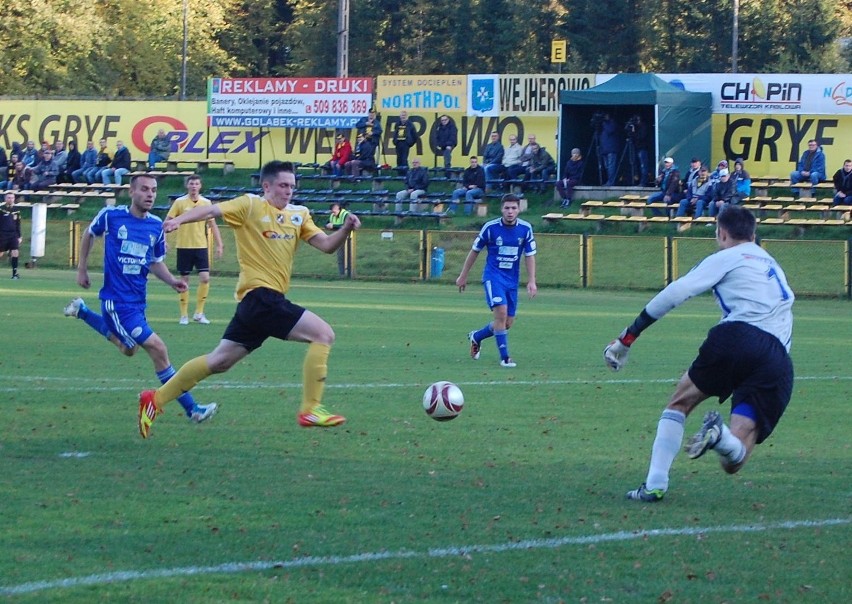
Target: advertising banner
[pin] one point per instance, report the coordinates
(421, 93)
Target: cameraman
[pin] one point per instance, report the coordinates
(637, 130)
(610, 146)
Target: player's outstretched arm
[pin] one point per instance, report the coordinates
(330, 242)
(161, 271)
(193, 215)
(616, 352)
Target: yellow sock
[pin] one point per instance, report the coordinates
(314, 372)
(183, 297)
(184, 380)
(203, 290)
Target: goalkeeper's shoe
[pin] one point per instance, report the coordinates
(474, 346)
(644, 494)
(320, 418)
(148, 412)
(74, 307)
(202, 413)
(706, 438)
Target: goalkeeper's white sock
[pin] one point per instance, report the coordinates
(730, 448)
(666, 445)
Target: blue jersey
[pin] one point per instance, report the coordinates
(131, 245)
(505, 244)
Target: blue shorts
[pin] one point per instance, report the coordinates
(498, 295)
(127, 322)
(749, 365)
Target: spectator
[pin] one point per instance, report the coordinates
(714, 175)
(88, 161)
(10, 232)
(45, 173)
(610, 144)
(638, 129)
(843, 185)
(120, 165)
(697, 195)
(691, 175)
(540, 169)
(4, 161)
(520, 168)
(371, 128)
(22, 177)
(472, 187)
(723, 192)
(571, 176)
(446, 139)
(341, 156)
(161, 148)
(668, 180)
(102, 163)
(336, 220)
(72, 163)
(512, 159)
(30, 155)
(60, 155)
(404, 137)
(811, 166)
(416, 183)
(492, 158)
(364, 157)
(8, 173)
(742, 181)
(45, 146)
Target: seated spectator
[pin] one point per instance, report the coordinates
(540, 168)
(416, 183)
(714, 175)
(4, 161)
(691, 175)
(742, 181)
(512, 159)
(161, 149)
(723, 192)
(72, 164)
(811, 166)
(44, 147)
(520, 168)
(492, 158)
(668, 180)
(30, 155)
(472, 187)
(21, 179)
(843, 185)
(102, 163)
(45, 172)
(571, 176)
(8, 173)
(341, 156)
(697, 195)
(119, 166)
(446, 139)
(364, 157)
(88, 160)
(60, 156)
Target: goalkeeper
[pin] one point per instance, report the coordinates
(744, 357)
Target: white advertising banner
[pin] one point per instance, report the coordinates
(288, 102)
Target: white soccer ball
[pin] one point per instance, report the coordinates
(443, 401)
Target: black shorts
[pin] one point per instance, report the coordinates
(748, 364)
(8, 242)
(192, 257)
(262, 313)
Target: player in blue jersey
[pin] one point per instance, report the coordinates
(506, 239)
(134, 245)
(744, 357)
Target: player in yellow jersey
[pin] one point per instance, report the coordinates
(193, 249)
(267, 230)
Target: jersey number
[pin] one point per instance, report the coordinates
(773, 274)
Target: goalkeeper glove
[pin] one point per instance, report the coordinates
(615, 354)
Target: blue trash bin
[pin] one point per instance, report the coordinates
(437, 262)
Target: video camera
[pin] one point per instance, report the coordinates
(597, 120)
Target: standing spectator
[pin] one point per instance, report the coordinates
(571, 176)
(843, 185)
(610, 145)
(697, 195)
(45, 173)
(193, 250)
(94, 175)
(336, 220)
(404, 137)
(512, 159)
(541, 168)
(10, 232)
(472, 187)
(507, 239)
(267, 231)
(745, 357)
(371, 128)
(120, 165)
(134, 246)
(364, 157)
(161, 149)
(723, 192)
(72, 164)
(416, 184)
(668, 181)
(30, 155)
(446, 139)
(811, 166)
(8, 173)
(492, 158)
(641, 142)
(88, 161)
(742, 181)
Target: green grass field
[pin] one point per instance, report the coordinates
(520, 499)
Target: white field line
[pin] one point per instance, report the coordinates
(31, 383)
(444, 552)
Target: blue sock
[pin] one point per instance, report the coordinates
(186, 401)
(485, 332)
(93, 320)
(502, 344)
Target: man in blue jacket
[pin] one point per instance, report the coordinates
(811, 166)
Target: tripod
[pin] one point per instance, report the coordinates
(596, 145)
(630, 152)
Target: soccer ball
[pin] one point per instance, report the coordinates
(443, 401)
